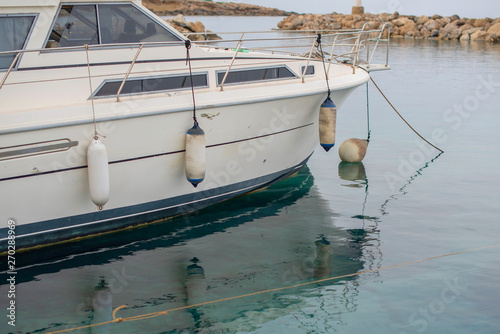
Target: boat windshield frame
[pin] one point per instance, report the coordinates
(154, 19)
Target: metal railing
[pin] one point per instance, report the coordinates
(348, 45)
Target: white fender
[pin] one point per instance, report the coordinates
(327, 124)
(195, 155)
(98, 169)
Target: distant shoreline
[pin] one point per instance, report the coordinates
(210, 8)
(402, 26)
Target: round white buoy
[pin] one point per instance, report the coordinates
(195, 155)
(327, 124)
(98, 170)
(353, 150)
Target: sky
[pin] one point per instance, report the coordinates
(463, 8)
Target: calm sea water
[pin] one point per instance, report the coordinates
(403, 204)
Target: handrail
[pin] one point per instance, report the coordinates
(303, 75)
(10, 69)
(379, 38)
(128, 73)
(349, 45)
(232, 62)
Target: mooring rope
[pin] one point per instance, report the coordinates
(404, 120)
(91, 92)
(187, 44)
(368, 113)
(318, 43)
(165, 312)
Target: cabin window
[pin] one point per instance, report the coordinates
(77, 25)
(127, 24)
(309, 71)
(14, 34)
(261, 74)
(151, 85)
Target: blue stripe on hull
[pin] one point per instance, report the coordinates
(51, 231)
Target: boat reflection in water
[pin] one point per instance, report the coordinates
(278, 237)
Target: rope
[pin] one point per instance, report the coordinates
(368, 112)
(418, 134)
(91, 91)
(188, 62)
(318, 43)
(165, 312)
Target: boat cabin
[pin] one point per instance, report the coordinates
(28, 24)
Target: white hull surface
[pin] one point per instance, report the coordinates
(248, 147)
(260, 123)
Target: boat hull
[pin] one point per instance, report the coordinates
(249, 147)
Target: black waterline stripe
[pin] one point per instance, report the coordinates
(152, 155)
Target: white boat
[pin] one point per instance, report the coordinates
(73, 71)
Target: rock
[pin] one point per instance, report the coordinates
(493, 38)
(196, 26)
(422, 19)
(451, 31)
(465, 38)
(180, 21)
(359, 25)
(444, 21)
(479, 23)
(410, 28)
(494, 29)
(426, 32)
(399, 22)
(374, 25)
(435, 33)
(454, 18)
(460, 22)
(479, 36)
(470, 31)
(436, 17)
(432, 25)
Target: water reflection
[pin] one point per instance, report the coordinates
(368, 235)
(402, 191)
(102, 307)
(274, 238)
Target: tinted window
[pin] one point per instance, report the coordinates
(75, 26)
(255, 75)
(309, 71)
(126, 24)
(135, 86)
(14, 32)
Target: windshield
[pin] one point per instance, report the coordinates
(77, 25)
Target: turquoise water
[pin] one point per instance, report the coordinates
(404, 203)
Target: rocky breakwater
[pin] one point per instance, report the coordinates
(188, 28)
(208, 7)
(402, 26)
